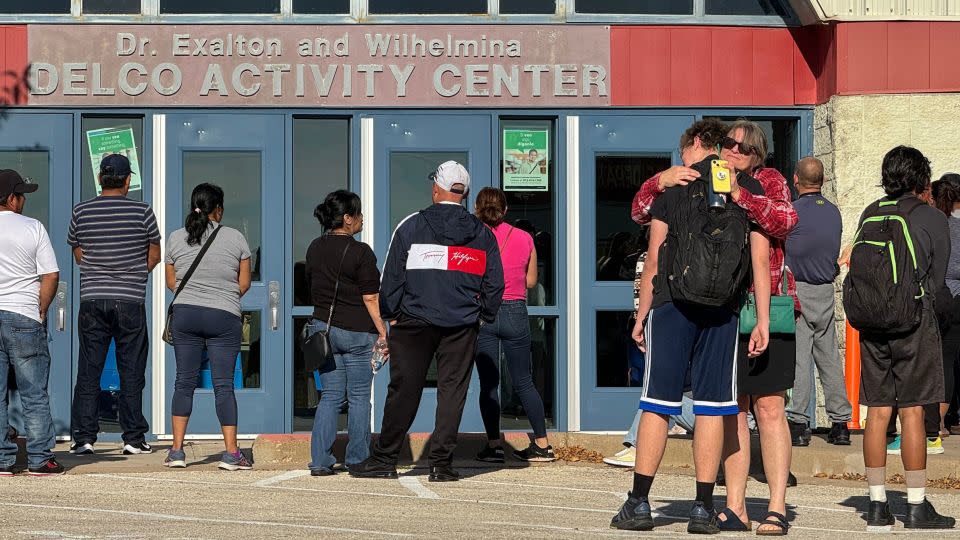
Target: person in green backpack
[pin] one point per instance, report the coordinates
(898, 262)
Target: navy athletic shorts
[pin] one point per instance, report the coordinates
(691, 346)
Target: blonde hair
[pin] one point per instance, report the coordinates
(754, 136)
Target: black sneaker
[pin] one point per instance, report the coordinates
(49, 468)
(798, 434)
(6, 471)
(634, 515)
(81, 448)
(839, 434)
(879, 516)
(702, 521)
(371, 468)
(535, 453)
(923, 516)
(491, 454)
(443, 473)
(138, 448)
(322, 471)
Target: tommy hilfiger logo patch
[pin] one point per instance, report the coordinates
(455, 258)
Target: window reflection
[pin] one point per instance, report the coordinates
(636, 7)
(545, 7)
(58, 7)
(619, 361)
(744, 7)
(543, 356)
(33, 166)
(307, 388)
(428, 7)
(219, 6)
(409, 185)
(619, 240)
(111, 6)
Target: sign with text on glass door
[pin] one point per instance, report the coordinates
(114, 140)
(525, 159)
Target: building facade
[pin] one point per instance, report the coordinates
(567, 105)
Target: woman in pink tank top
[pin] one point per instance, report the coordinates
(508, 337)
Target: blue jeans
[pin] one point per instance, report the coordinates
(351, 379)
(23, 344)
(684, 420)
(509, 334)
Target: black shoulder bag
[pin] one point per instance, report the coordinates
(317, 352)
(167, 332)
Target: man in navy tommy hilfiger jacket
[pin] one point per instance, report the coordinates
(442, 278)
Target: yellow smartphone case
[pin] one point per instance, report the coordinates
(720, 176)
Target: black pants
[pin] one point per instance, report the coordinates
(413, 345)
(126, 324)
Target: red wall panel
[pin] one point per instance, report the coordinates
(774, 77)
(908, 56)
(13, 64)
(944, 44)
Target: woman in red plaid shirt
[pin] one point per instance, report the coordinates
(763, 381)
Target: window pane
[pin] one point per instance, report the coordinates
(33, 166)
(321, 7)
(90, 165)
(35, 6)
(409, 185)
(528, 6)
(321, 164)
(111, 6)
(744, 7)
(219, 6)
(531, 208)
(619, 361)
(543, 355)
(429, 7)
(247, 371)
(641, 7)
(238, 173)
(619, 240)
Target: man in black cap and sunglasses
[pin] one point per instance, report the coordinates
(28, 282)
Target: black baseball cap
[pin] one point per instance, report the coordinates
(115, 165)
(11, 182)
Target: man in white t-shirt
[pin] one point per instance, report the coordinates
(28, 283)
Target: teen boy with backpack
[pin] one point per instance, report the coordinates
(701, 251)
(898, 262)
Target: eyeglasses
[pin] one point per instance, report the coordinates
(730, 143)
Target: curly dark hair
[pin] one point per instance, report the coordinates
(946, 192)
(710, 131)
(905, 170)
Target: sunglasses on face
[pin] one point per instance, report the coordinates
(730, 143)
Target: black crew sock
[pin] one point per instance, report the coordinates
(705, 494)
(641, 485)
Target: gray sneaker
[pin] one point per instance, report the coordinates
(175, 459)
(230, 462)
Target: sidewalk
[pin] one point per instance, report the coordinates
(292, 451)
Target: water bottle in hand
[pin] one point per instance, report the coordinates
(381, 353)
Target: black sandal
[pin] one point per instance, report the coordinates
(733, 522)
(779, 520)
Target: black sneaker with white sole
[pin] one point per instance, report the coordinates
(879, 518)
(535, 453)
(49, 468)
(81, 448)
(924, 516)
(138, 448)
(634, 515)
(489, 454)
(702, 520)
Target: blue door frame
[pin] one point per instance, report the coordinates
(262, 409)
(51, 133)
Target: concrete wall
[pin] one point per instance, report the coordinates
(851, 136)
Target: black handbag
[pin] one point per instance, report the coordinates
(167, 331)
(316, 348)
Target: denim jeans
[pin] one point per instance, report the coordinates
(126, 324)
(509, 334)
(684, 420)
(351, 379)
(23, 344)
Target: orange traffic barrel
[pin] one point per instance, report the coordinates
(851, 374)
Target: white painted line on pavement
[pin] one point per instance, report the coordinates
(413, 484)
(592, 531)
(174, 517)
(289, 475)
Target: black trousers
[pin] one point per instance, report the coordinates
(413, 345)
(126, 324)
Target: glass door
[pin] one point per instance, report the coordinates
(617, 153)
(243, 154)
(38, 146)
(407, 149)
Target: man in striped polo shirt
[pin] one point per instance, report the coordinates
(116, 243)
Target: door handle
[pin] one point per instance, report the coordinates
(274, 292)
(62, 306)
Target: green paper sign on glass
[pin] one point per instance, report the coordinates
(114, 140)
(525, 159)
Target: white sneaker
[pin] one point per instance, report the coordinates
(133, 449)
(624, 458)
(86, 448)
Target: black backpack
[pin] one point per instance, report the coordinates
(707, 257)
(883, 291)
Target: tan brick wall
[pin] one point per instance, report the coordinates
(851, 136)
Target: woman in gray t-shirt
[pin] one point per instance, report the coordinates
(206, 316)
